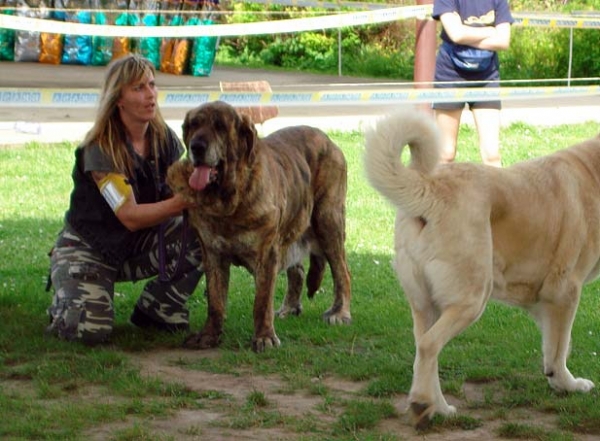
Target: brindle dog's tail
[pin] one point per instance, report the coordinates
(407, 187)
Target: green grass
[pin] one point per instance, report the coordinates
(50, 389)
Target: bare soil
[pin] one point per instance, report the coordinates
(216, 419)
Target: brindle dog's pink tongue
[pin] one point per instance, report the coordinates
(200, 178)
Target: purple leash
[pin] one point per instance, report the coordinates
(162, 251)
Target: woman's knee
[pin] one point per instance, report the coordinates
(82, 306)
(87, 319)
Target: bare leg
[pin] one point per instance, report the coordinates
(448, 121)
(488, 129)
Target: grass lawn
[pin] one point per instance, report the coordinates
(50, 389)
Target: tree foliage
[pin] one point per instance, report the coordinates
(387, 50)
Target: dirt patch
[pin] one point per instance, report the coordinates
(297, 414)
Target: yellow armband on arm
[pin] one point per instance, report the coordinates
(115, 189)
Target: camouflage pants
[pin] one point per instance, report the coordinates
(82, 305)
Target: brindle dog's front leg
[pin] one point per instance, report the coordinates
(264, 329)
(217, 278)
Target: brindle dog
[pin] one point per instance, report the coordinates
(264, 204)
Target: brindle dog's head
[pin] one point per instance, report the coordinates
(220, 144)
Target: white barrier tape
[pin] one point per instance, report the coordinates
(257, 28)
(592, 20)
(85, 98)
(326, 4)
(266, 27)
(16, 22)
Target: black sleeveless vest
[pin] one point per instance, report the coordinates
(93, 219)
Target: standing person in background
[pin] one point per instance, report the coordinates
(472, 33)
(122, 224)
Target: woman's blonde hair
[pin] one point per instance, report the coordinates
(108, 131)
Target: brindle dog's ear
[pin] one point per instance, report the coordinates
(185, 127)
(248, 134)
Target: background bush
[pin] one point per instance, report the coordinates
(387, 50)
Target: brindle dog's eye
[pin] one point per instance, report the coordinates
(219, 125)
(194, 124)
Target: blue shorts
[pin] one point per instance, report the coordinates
(447, 75)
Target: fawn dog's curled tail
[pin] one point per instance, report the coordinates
(407, 187)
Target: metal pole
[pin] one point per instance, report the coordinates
(339, 52)
(425, 50)
(570, 57)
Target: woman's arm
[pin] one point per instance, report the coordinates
(500, 41)
(482, 37)
(132, 215)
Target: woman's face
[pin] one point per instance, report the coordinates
(138, 101)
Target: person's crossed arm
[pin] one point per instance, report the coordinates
(494, 38)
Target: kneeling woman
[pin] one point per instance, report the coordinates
(122, 224)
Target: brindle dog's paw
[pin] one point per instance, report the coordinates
(286, 310)
(201, 341)
(337, 318)
(260, 344)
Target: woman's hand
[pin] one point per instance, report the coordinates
(182, 202)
